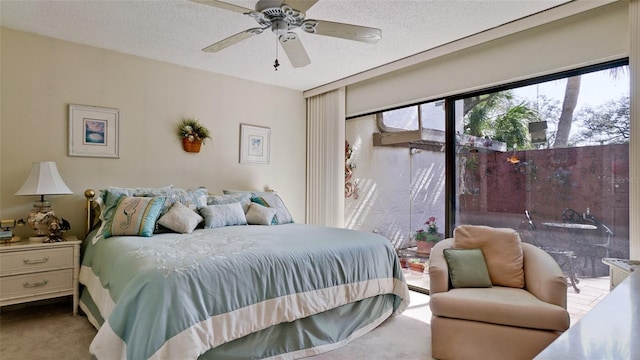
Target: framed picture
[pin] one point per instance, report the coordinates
(254, 144)
(93, 131)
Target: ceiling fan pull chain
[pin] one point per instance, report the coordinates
(276, 64)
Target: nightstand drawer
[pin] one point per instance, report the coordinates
(12, 287)
(21, 262)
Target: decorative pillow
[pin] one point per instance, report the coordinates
(243, 198)
(134, 216)
(193, 199)
(501, 248)
(260, 215)
(467, 268)
(223, 215)
(269, 199)
(180, 219)
(112, 194)
(108, 198)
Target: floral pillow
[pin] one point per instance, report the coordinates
(193, 199)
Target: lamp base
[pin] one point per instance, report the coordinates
(38, 238)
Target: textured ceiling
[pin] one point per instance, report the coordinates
(175, 31)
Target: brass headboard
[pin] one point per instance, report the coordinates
(93, 211)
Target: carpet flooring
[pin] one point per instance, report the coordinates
(51, 332)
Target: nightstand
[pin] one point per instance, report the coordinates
(35, 271)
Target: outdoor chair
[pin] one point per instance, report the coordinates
(596, 250)
(572, 216)
(564, 257)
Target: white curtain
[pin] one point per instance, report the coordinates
(634, 145)
(325, 158)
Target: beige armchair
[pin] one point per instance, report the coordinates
(498, 322)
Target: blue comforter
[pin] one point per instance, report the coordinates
(179, 295)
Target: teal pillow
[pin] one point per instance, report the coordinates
(467, 268)
(134, 216)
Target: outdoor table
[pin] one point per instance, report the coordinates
(570, 226)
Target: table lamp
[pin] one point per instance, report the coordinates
(44, 179)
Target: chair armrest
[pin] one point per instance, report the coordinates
(543, 276)
(438, 269)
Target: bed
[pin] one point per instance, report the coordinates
(279, 290)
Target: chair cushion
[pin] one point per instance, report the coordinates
(500, 305)
(501, 248)
(467, 268)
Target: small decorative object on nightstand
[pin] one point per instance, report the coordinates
(6, 235)
(44, 179)
(32, 271)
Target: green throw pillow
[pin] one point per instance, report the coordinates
(467, 268)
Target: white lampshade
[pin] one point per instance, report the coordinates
(44, 179)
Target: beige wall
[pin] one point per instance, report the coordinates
(41, 76)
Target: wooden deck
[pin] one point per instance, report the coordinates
(592, 290)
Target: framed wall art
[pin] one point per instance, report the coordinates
(254, 144)
(93, 131)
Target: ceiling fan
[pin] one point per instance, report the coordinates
(283, 17)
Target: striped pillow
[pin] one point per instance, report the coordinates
(134, 216)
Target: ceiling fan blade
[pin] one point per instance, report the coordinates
(224, 5)
(345, 31)
(295, 51)
(233, 39)
(300, 5)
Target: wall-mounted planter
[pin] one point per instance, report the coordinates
(191, 146)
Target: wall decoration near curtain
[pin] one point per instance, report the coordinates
(93, 131)
(350, 187)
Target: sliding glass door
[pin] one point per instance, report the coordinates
(551, 160)
(548, 158)
(395, 179)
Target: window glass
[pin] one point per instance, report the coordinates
(401, 119)
(562, 174)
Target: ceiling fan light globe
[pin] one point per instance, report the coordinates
(279, 27)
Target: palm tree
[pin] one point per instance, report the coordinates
(495, 115)
(571, 93)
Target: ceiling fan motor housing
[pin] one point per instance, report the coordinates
(283, 19)
(280, 17)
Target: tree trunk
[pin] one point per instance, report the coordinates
(568, 106)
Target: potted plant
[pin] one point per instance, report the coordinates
(426, 239)
(192, 134)
(416, 265)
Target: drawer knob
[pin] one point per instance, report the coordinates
(38, 284)
(32, 262)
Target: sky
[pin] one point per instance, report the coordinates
(595, 88)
